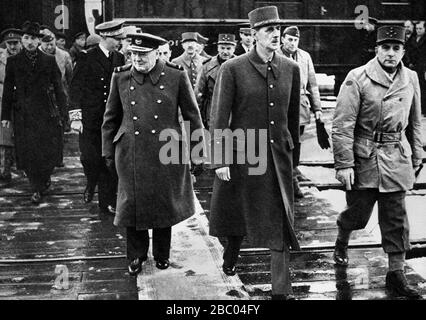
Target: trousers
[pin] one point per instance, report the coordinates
(393, 219)
(95, 170)
(138, 243)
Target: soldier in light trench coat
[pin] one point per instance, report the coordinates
(259, 90)
(144, 100)
(377, 144)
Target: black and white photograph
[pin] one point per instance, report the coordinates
(212, 155)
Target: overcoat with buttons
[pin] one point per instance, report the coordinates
(6, 134)
(141, 108)
(249, 94)
(369, 101)
(184, 61)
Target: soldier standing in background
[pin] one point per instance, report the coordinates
(309, 94)
(61, 41)
(78, 46)
(164, 52)
(12, 38)
(126, 41)
(207, 77)
(190, 60)
(34, 99)
(377, 148)
(88, 96)
(202, 42)
(246, 43)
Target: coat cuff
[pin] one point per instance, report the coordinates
(75, 115)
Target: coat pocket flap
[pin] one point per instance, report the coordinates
(363, 148)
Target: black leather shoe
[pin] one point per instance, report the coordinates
(340, 254)
(229, 271)
(162, 264)
(397, 286)
(89, 192)
(36, 198)
(135, 266)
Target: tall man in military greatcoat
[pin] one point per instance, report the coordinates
(12, 39)
(207, 77)
(377, 148)
(142, 106)
(257, 91)
(88, 96)
(190, 60)
(34, 99)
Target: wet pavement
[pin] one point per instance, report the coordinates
(65, 249)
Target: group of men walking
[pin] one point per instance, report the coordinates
(122, 111)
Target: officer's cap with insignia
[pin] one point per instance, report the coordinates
(145, 42)
(189, 36)
(226, 39)
(292, 31)
(47, 38)
(129, 30)
(110, 29)
(11, 35)
(391, 34)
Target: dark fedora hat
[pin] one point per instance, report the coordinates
(31, 28)
(264, 16)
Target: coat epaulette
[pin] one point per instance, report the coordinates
(207, 60)
(172, 65)
(123, 68)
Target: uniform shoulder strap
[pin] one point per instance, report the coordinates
(123, 68)
(173, 65)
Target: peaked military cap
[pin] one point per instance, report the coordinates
(31, 28)
(391, 33)
(292, 31)
(246, 31)
(11, 35)
(226, 39)
(130, 30)
(47, 38)
(145, 42)
(112, 29)
(201, 39)
(264, 16)
(189, 36)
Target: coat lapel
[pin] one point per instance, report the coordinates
(102, 59)
(377, 74)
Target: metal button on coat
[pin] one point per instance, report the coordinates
(133, 103)
(155, 117)
(137, 133)
(161, 87)
(135, 118)
(153, 131)
(272, 104)
(272, 122)
(162, 73)
(159, 101)
(132, 88)
(272, 141)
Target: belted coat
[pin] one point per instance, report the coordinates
(369, 102)
(252, 95)
(140, 109)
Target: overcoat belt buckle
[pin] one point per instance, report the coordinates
(386, 137)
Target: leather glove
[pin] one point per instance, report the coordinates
(322, 135)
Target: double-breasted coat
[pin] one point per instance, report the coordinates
(250, 94)
(34, 98)
(370, 102)
(6, 134)
(308, 86)
(140, 107)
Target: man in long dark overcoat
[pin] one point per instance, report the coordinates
(143, 105)
(34, 98)
(259, 90)
(88, 96)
